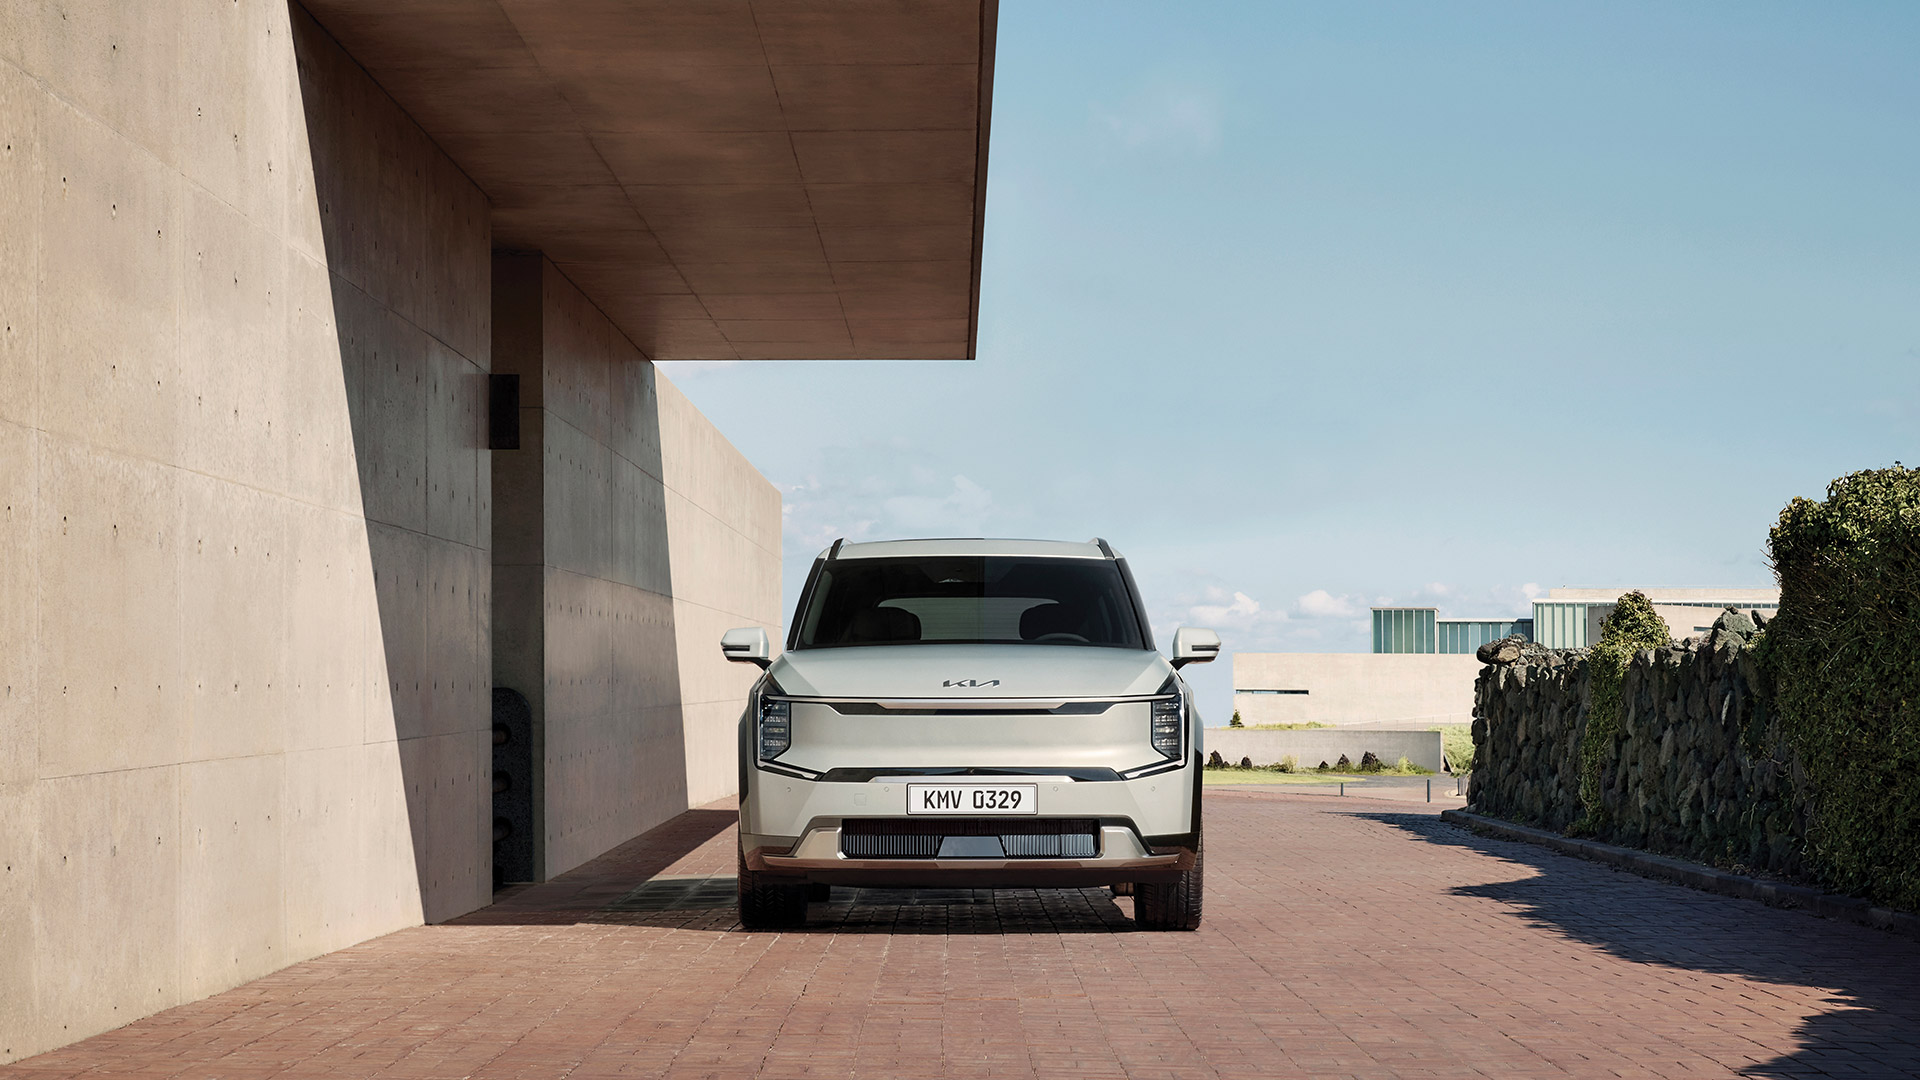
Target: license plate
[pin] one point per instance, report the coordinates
(973, 798)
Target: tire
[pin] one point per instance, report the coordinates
(768, 902)
(1172, 905)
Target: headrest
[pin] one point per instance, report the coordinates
(1047, 619)
(883, 624)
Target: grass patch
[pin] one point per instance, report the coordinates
(1286, 727)
(1456, 741)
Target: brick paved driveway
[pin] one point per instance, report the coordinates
(1343, 938)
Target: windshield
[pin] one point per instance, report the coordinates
(969, 600)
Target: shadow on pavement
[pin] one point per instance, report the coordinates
(651, 881)
(1874, 978)
(583, 891)
(708, 904)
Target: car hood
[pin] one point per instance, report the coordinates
(969, 671)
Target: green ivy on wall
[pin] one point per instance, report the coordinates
(1633, 625)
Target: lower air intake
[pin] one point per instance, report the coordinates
(1034, 838)
(889, 847)
(1056, 846)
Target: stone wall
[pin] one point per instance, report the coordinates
(1697, 770)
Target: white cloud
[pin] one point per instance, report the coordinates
(1165, 116)
(879, 492)
(1234, 610)
(1321, 604)
(967, 501)
(1532, 591)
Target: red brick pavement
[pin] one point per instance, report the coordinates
(1344, 938)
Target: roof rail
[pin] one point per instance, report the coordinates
(1104, 549)
(834, 551)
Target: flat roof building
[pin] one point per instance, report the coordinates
(1421, 668)
(1569, 617)
(1421, 630)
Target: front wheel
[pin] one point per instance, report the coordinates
(1172, 905)
(768, 902)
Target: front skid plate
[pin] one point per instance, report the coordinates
(973, 873)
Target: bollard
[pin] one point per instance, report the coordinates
(1343, 787)
(1429, 789)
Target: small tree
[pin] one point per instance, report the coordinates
(1235, 722)
(1631, 626)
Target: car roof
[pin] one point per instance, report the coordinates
(974, 546)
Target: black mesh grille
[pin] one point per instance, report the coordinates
(911, 838)
(889, 847)
(1055, 845)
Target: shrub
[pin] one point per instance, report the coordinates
(1456, 741)
(1843, 657)
(1631, 626)
(1235, 721)
(1288, 764)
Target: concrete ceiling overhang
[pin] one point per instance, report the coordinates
(727, 179)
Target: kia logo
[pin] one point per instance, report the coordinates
(970, 682)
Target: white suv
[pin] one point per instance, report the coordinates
(973, 713)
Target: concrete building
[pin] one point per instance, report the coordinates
(268, 274)
(1422, 666)
(1413, 690)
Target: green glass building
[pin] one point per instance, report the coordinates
(1421, 630)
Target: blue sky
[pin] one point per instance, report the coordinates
(1307, 308)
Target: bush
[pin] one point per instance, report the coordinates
(1631, 626)
(1456, 741)
(1843, 657)
(1235, 721)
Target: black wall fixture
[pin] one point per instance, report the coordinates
(503, 412)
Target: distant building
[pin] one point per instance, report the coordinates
(1396, 690)
(1421, 630)
(1421, 670)
(1569, 617)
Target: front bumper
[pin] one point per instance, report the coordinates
(792, 827)
(1122, 857)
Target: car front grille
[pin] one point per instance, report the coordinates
(979, 838)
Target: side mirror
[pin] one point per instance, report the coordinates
(747, 645)
(1192, 646)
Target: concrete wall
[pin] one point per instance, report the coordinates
(243, 609)
(1380, 689)
(1311, 747)
(629, 536)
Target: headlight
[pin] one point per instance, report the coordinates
(1169, 722)
(776, 728)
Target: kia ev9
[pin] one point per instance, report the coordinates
(970, 713)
